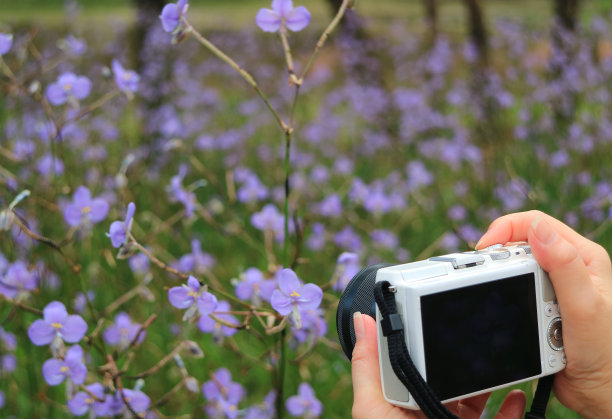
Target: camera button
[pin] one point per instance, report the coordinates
(555, 334)
(549, 310)
(553, 361)
(499, 254)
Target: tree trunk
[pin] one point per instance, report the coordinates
(477, 30)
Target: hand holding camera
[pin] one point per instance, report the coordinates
(581, 274)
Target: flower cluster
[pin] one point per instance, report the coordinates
(222, 394)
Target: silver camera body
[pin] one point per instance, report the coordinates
(474, 322)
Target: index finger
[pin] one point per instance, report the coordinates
(515, 228)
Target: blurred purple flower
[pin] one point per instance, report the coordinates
(384, 238)
(57, 323)
(331, 206)
(265, 410)
(67, 86)
(83, 206)
(223, 394)
(82, 402)
(123, 331)
(348, 239)
(207, 324)
(346, 268)
(293, 295)
(8, 363)
(138, 401)
(457, 213)
(49, 165)
(75, 46)
(254, 286)
(80, 301)
(179, 194)
(16, 279)
(6, 41)
(305, 403)
(172, 14)
(2, 399)
(119, 230)
(252, 190)
(197, 261)
(55, 371)
(313, 325)
(8, 340)
(139, 263)
(126, 80)
(269, 219)
(281, 15)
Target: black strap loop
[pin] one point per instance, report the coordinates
(407, 373)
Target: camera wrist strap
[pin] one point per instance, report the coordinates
(406, 372)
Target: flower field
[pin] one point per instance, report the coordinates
(180, 214)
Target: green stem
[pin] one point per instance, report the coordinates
(245, 75)
(281, 376)
(287, 192)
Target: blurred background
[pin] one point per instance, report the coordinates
(419, 123)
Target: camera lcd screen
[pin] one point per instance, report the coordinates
(481, 336)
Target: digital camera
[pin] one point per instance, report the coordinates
(473, 322)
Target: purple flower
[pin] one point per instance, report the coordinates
(119, 230)
(6, 41)
(172, 14)
(192, 295)
(331, 206)
(347, 267)
(67, 86)
(223, 394)
(269, 219)
(265, 410)
(55, 371)
(8, 363)
(16, 279)
(254, 286)
(123, 332)
(48, 165)
(2, 399)
(305, 403)
(207, 324)
(138, 401)
(75, 45)
(282, 15)
(8, 340)
(384, 238)
(82, 402)
(197, 261)
(313, 325)
(57, 323)
(181, 195)
(84, 206)
(80, 300)
(126, 80)
(293, 295)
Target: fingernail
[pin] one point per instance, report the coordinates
(543, 231)
(358, 325)
(480, 241)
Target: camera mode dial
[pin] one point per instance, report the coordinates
(555, 334)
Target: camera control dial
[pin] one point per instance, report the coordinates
(555, 334)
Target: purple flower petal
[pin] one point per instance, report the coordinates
(207, 303)
(73, 215)
(74, 329)
(281, 303)
(6, 41)
(55, 312)
(268, 20)
(170, 17)
(298, 19)
(193, 283)
(54, 372)
(288, 282)
(41, 333)
(180, 297)
(56, 95)
(80, 403)
(206, 324)
(112, 335)
(295, 406)
(310, 297)
(74, 354)
(117, 233)
(138, 401)
(77, 372)
(81, 87)
(82, 196)
(131, 209)
(282, 7)
(98, 210)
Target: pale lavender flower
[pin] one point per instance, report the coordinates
(2, 399)
(197, 261)
(266, 410)
(80, 301)
(16, 279)
(313, 325)
(305, 403)
(82, 402)
(57, 323)
(346, 268)
(172, 14)
(348, 239)
(384, 238)
(55, 371)
(192, 295)
(123, 331)
(67, 86)
(139, 263)
(269, 219)
(252, 190)
(207, 324)
(317, 238)
(83, 206)
(6, 41)
(75, 46)
(8, 340)
(331, 206)
(8, 363)
(254, 286)
(49, 165)
(457, 213)
(292, 295)
(119, 230)
(281, 15)
(126, 80)
(138, 401)
(187, 198)
(223, 394)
